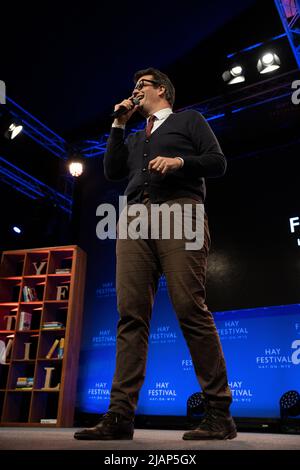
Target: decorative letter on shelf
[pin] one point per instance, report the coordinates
(62, 292)
(39, 269)
(10, 318)
(49, 371)
(26, 351)
(5, 350)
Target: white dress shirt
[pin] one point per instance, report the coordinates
(161, 116)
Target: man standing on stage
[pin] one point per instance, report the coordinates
(165, 163)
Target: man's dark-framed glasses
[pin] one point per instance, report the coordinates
(139, 85)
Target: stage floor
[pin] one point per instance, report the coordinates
(144, 439)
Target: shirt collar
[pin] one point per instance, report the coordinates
(162, 113)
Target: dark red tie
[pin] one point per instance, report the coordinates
(150, 124)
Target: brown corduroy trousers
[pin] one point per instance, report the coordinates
(140, 263)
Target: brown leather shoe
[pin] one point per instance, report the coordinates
(216, 424)
(112, 426)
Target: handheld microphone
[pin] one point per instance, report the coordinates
(123, 110)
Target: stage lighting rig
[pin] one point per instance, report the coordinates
(268, 63)
(234, 75)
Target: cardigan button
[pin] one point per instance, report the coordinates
(144, 169)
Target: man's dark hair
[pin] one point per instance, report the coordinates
(162, 79)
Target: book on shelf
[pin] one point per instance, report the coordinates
(25, 294)
(29, 294)
(60, 352)
(25, 321)
(24, 383)
(7, 349)
(52, 349)
(62, 271)
(49, 328)
(48, 421)
(52, 325)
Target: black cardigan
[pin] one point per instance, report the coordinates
(185, 134)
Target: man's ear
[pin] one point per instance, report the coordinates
(162, 90)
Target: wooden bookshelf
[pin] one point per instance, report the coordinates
(39, 308)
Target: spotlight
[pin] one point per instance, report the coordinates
(13, 130)
(290, 404)
(10, 127)
(234, 75)
(195, 407)
(17, 229)
(268, 63)
(75, 165)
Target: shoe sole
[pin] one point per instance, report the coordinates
(194, 437)
(103, 438)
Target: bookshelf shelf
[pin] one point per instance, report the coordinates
(23, 360)
(38, 302)
(52, 329)
(51, 359)
(35, 276)
(9, 304)
(16, 424)
(59, 303)
(33, 294)
(27, 331)
(31, 305)
(66, 275)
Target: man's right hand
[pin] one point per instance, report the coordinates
(121, 121)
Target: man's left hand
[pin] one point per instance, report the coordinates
(163, 165)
